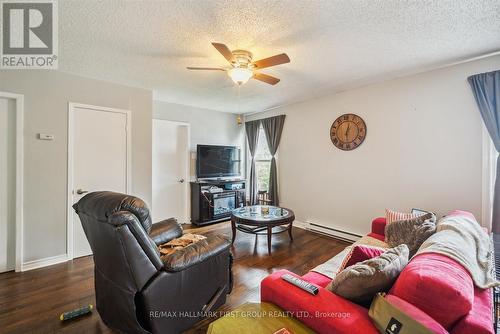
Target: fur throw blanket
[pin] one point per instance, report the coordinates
(176, 244)
(464, 240)
(412, 232)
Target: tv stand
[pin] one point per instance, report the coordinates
(212, 201)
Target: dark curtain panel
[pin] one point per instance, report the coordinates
(486, 89)
(273, 127)
(252, 130)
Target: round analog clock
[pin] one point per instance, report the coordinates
(348, 132)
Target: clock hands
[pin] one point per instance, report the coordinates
(347, 131)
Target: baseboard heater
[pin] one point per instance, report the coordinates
(333, 232)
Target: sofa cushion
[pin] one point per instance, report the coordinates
(437, 285)
(317, 278)
(324, 312)
(412, 232)
(480, 317)
(416, 314)
(360, 253)
(361, 281)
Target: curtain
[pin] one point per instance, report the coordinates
(252, 130)
(273, 127)
(486, 89)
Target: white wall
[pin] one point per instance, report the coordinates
(423, 149)
(47, 94)
(207, 126)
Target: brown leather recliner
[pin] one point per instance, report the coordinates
(137, 291)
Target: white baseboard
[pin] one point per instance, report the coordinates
(48, 261)
(300, 224)
(328, 231)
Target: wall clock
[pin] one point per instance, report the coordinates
(348, 132)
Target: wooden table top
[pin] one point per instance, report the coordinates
(252, 215)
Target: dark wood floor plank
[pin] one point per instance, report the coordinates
(31, 302)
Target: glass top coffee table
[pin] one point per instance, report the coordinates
(262, 219)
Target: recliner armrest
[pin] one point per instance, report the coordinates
(196, 253)
(165, 231)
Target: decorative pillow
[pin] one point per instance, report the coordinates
(361, 281)
(392, 216)
(360, 253)
(412, 232)
(420, 212)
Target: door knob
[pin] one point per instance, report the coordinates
(80, 191)
(181, 181)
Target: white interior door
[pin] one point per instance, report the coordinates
(99, 160)
(170, 170)
(7, 184)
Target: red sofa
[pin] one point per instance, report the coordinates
(438, 287)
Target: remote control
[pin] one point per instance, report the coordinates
(306, 286)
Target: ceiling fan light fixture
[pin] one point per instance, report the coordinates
(240, 75)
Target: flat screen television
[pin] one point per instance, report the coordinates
(217, 161)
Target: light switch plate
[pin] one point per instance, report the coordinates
(44, 136)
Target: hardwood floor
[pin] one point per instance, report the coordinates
(31, 302)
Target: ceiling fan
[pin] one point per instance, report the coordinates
(243, 68)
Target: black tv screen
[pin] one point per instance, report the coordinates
(217, 161)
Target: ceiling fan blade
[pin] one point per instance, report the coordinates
(224, 50)
(272, 61)
(206, 68)
(266, 78)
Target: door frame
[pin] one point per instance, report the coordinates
(188, 163)
(19, 203)
(69, 210)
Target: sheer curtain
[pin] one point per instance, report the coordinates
(273, 127)
(486, 89)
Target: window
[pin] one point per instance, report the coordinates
(490, 156)
(262, 162)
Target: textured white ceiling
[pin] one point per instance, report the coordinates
(333, 45)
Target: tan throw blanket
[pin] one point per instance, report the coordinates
(331, 267)
(174, 245)
(464, 240)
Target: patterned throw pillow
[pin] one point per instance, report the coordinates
(361, 281)
(393, 216)
(412, 232)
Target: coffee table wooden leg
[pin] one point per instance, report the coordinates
(290, 231)
(233, 228)
(269, 235)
